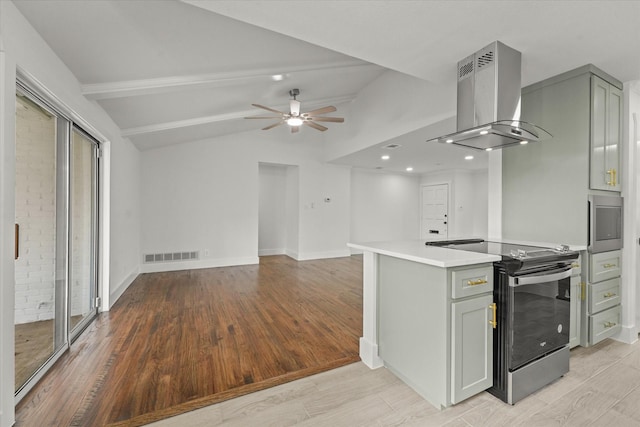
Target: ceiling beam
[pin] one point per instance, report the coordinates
(161, 127)
(129, 88)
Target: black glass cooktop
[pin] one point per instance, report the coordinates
(508, 251)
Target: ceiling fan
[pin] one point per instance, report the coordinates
(295, 118)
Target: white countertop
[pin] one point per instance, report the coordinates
(417, 251)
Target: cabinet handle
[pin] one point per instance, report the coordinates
(615, 177)
(575, 265)
(609, 324)
(609, 295)
(493, 322)
(612, 179)
(476, 282)
(609, 265)
(583, 290)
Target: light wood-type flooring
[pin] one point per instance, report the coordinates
(177, 341)
(602, 389)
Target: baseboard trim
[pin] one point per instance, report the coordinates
(627, 335)
(114, 295)
(197, 264)
(269, 252)
(323, 255)
(369, 354)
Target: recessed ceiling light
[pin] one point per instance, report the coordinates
(484, 132)
(488, 149)
(449, 141)
(409, 169)
(385, 157)
(524, 142)
(468, 157)
(277, 77)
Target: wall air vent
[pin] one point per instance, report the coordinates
(392, 146)
(171, 257)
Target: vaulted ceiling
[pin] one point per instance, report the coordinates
(170, 72)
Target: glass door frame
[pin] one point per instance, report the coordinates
(95, 233)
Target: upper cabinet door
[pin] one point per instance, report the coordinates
(614, 140)
(606, 126)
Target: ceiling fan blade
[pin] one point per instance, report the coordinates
(263, 117)
(315, 125)
(328, 119)
(294, 107)
(295, 129)
(268, 109)
(329, 109)
(273, 125)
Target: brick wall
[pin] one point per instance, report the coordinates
(36, 213)
(81, 204)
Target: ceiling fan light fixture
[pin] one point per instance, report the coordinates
(294, 118)
(294, 121)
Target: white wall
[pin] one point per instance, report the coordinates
(384, 206)
(468, 201)
(292, 221)
(631, 192)
(272, 209)
(204, 196)
(393, 104)
(21, 46)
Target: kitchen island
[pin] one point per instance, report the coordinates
(426, 317)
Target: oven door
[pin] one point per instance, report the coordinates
(540, 305)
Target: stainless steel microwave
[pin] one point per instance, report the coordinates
(605, 223)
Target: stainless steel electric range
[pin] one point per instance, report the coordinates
(532, 293)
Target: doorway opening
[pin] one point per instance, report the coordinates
(278, 210)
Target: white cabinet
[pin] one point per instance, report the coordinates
(434, 327)
(601, 307)
(472, 347)
(606, 132)
(546, 185)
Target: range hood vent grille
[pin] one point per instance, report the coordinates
(465, 70)
(489, 96)
(485, 59)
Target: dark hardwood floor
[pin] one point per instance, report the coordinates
(181, 340)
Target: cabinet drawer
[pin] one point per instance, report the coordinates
(604, 295)
(605, 265)
(471, 281)
(604, 324)
(576, 266)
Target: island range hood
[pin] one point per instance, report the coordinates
(488, 108)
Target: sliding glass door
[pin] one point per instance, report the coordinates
(40, 249)
(83, 215)
(55, 235)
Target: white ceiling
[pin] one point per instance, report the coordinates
(176, 71)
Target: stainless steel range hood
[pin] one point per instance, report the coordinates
(489, 87)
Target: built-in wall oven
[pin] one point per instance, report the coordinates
(532, 294)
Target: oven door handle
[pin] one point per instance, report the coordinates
(528, 280)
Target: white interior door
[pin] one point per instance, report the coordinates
(434, 212)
